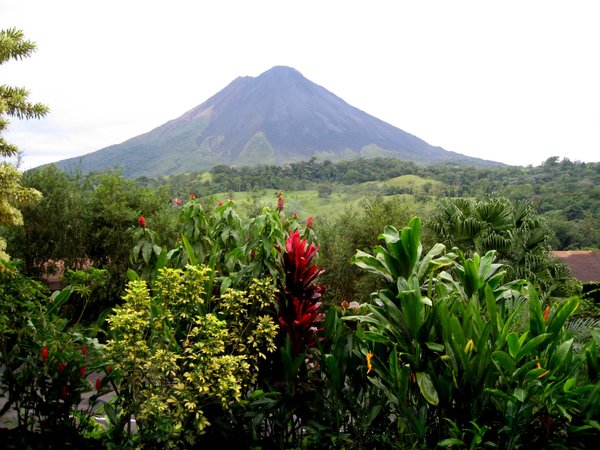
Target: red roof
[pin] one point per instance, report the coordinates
(583, 264)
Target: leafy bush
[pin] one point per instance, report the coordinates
(448, 350)
(177, 353)
(44, 361)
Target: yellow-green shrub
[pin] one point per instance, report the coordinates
(175, 358)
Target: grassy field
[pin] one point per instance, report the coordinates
(414, 183)
(305, 203)
(310, 203)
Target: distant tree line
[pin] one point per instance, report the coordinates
(566, 193)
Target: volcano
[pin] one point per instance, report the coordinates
(275, 118)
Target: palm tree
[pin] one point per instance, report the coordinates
(520, 237)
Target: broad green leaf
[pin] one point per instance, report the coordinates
(146, 252)
(190, 251)
(492, 310)
(531, 345)
(370, 263)
(161, 262)
(375, 337)
(513, 344)
(451, 442)
(560, 354)
(390, 263)
(503, 360)
(569, 384)
(536, 316)
(500, 393)
(457, 331)
(482, 346)
(427, 388)
(59, 298)
(390, 235)
(137, 247)
(509, 322)
(110, 411)
(132, 275)
(434, 346)
(428, 263)
(564, 311)
(520, 394)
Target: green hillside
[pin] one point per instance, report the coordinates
(309, 203)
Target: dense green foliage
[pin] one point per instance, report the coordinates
(220, 339)
(205, 325)
(519, 236)
(86, 221)
(460, 361)
(565, 193)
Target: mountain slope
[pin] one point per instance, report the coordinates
(277, 117)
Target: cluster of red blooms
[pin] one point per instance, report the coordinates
(61, 367)
(299, 314)
(142, 222)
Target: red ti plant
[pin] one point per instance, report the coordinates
(298, 299)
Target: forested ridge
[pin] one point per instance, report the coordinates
(566, 193)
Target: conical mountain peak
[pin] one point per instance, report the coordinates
(282, 73)
(276, 117)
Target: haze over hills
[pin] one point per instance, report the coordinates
(277, 117)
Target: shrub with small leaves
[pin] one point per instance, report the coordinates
(175, 359)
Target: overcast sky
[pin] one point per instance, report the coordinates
(511, 81)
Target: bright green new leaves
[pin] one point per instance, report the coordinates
(401, 257)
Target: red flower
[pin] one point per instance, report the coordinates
(109, 369)
(83, 350)
(44, 353)
(295, 215)
(98, 384)
(299, 314)
(310, 222)
(280, 203)
(546, 312)
(192, 196)
(82, 371)
(220, 204)
(142, 222)
(61, 367)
